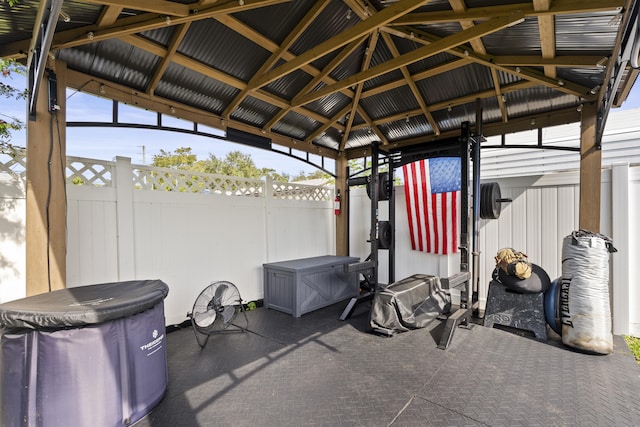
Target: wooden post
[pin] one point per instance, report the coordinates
(590, 171)
(342, 220)
(46, 221)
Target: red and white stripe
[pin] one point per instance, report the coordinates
(433, 218)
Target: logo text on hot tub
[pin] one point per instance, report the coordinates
(157, 340)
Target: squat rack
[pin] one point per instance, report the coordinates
(467, 148)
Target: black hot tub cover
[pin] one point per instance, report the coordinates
(83, 305)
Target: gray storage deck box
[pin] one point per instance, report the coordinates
(303, 285)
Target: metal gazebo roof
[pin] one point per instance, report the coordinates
(332, 76)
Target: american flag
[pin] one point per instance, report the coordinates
(432, 191)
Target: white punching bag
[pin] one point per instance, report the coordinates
(584, 294)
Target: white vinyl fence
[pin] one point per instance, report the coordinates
(224, 228)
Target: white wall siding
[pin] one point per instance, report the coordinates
(12, 237)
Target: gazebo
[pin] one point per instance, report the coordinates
(328, 78)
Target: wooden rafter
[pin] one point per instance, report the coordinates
(558, 7)
(547, 30)
(488, 61)
(278, 53)
(434, 48)
(109, 15)
(362, 28)
(322, 76)
(177, 37)
(134, 24)
(460, 7)
(412, 84)
(185, 61)
(371, 47)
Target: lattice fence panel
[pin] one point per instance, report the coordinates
(160, 179)
(14, 163)
(97, 173)
(294, 191)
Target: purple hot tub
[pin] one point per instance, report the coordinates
(87, 356)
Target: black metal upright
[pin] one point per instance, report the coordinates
(368, 268)
(475, 247)
(373, 232)
(392, 221)
(463, 279)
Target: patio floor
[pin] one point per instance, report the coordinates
(317, 370)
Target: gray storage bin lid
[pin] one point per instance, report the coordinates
(304, 264)
(83, 305)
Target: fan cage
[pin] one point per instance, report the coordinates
(216, 310)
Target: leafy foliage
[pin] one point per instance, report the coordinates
(8, 124)
(634, 346)
(235, 163)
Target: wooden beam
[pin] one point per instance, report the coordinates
(412, 85)
(568, 61)
(547, 30)
(558, 7)
(127, 95)
(342, 220)
(376, 21)
(460, 7)
(178, 35)
(371, 47)
(278, 53)
(590, 170)
(109, 15)
(131, 25)
(432, 49)
(46, 216)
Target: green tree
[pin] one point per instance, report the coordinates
(235, 163)
(318, 174)
(9, 124)
(181, 158)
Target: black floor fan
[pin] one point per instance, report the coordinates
(218, 309)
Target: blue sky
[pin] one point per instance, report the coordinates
(107, 143)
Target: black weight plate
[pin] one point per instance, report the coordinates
(385, 235)
(490, 205)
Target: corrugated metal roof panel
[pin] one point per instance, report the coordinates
(23, 16)
(351, 65)
(385, 104)
(536, 100)
(275, 22)
(230, 53)
(330, 105)
(361, 138)
(254, 111)
(440, 29)
(161, 36)
(582, 33)
(456, 83)
(295, 125)
(452, 120)
(112, 60)
(400, 129)
(290, 85)
(523, 38)
(588, 77)
(328, 139)
(192, 88)
(331, 21)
